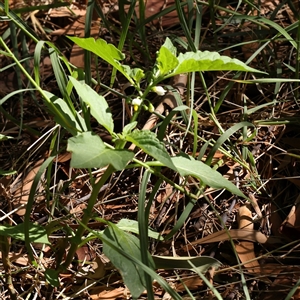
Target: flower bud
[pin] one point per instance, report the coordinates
(151, 108)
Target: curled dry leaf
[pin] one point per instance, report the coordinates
(63, 157)
(78, 209)
(84, 253)
(238, 234)
(245, 249)
(90, 263)
(98, 269)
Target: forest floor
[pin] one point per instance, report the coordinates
(267, 38)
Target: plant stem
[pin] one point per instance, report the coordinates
(86, 217)
(56, 111)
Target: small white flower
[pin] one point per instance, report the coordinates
(136, 102)
(159, 90)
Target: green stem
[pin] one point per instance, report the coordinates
(18, 22)
(76, 240)
(86, 217)
(56, 111)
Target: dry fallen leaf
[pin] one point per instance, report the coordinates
(283, 284)
(98, 269)
(18, 258)
(245, 249)
(21, 195)
(164, 194)
(107, 293)
(239, 234)
(193, 283)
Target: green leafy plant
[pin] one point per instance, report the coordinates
(90, 151)
(240, 28)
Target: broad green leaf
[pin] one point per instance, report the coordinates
(52, 277)
(166, 59)
(189, 166)
(63, 115)
(133, 275)
(133, 226)
(169, 45)
(150, 144)
(203, 263)
(209, 61)
(107, 52)
(37, 233)
(129, 127)
(89, 151)
(98, 105)
(68, 121)
(136, 73)
(81, 121)
(127, 255)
